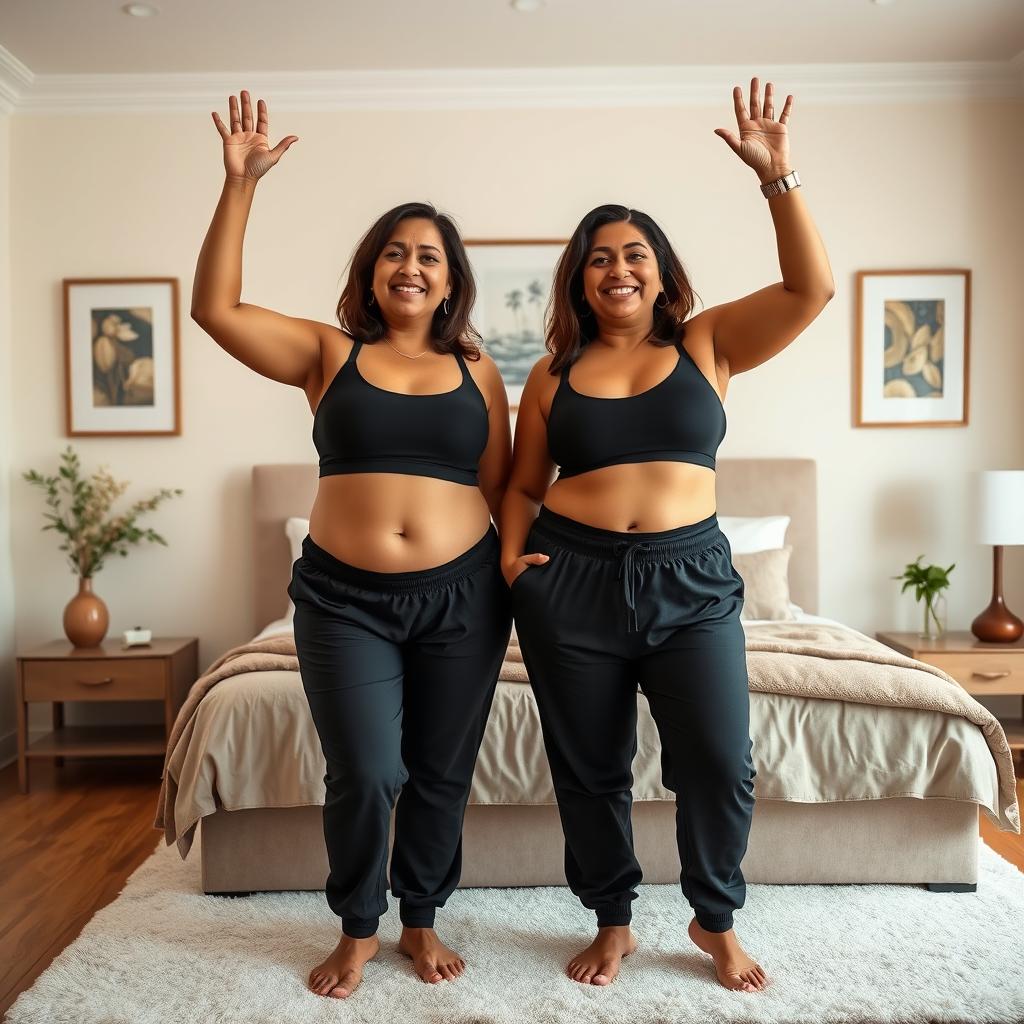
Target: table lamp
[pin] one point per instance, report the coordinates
(1000, 521)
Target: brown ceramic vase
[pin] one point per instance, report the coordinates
(86, 617)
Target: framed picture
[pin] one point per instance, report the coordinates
(911, 367)
(121, 356)
(513, 280)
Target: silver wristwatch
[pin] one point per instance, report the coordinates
(780, 185)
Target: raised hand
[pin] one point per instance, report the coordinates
(247, 152)
(763, 142)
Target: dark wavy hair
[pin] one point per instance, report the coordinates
(570, 326)
(365, 323)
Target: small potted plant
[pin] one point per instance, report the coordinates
(90, 536)
(928, 582)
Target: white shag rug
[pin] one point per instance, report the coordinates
(163, 952)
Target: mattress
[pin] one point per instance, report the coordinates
(254, 745)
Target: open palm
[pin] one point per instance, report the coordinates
(763, 142)
(247, 152)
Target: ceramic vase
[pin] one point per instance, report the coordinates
(86, 617)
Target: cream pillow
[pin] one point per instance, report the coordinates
(765, 576)
(295, 529)
(754, 533)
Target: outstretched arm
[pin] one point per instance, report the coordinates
(280, 347)
(750, 330)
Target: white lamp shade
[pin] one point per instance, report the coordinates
(1000, 508)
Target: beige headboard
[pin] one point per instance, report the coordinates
(745, 487)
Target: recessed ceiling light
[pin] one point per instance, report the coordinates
(526, 6)
(140, 10)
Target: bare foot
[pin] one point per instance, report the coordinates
(598, 964)
(433, 960)
(340, 974)
(734, 968)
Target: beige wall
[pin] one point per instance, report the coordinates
(891, 186)
(7, 623)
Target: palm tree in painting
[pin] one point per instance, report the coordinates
(514, 301)
(535, 296)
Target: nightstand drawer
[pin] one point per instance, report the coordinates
(995, 673)
(94, 679)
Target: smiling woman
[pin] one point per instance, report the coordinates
(588, 267)
(620, 572)
(380, 286)
(399, 578)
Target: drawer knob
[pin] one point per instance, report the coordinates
(95, 682)
(990, 675)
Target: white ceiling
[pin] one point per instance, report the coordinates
(79, 37)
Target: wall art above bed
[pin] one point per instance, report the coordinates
(912, 345)
(121, 356)
(513, 282)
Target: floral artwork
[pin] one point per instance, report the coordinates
(122, 356)
(912, 348)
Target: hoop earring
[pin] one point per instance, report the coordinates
(372, 300)
(664, 305)
(444, 305)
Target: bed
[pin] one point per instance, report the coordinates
(261, 825)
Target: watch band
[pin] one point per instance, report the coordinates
(780, 185)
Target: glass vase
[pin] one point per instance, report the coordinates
(934, 613)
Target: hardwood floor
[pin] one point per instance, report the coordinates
(69, 845)
(66, 849)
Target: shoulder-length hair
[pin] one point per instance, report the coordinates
(571, 326)
(454, 332)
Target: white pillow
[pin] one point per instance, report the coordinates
(295, 529)
(747, 534)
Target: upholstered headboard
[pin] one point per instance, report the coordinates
(745, 487)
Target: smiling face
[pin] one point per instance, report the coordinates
(621, 281)
(410, 276)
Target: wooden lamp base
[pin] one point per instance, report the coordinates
(997, 624)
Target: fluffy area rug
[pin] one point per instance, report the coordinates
(162, 951)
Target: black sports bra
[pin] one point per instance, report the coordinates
(361, 428)
(680, 419)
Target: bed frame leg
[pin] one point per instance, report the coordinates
(952, 886)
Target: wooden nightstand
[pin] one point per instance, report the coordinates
(59, 672)
(983, 670)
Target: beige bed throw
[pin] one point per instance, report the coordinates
(830, 662)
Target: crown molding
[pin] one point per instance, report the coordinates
(487, 88)
(15, 79)
(1017, 64)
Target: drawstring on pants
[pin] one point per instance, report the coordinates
(628, 572)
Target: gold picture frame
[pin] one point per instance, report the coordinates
(912, 348)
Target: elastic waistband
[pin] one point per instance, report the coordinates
(486, 549)
(610, 544)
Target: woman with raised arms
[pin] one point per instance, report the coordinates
(620, 574)
(401, 612)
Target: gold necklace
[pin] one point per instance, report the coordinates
(405, 355)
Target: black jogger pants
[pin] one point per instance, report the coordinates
(399, 670)
(608, 611)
